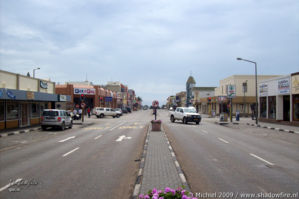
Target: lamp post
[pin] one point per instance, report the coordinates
(34, 71)
(256, 103)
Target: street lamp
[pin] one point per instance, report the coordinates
(34, 71)
(256, 103)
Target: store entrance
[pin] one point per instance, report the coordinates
(286, 108)
(24, 119)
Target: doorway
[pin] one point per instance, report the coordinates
(286, 108)
(25, 116)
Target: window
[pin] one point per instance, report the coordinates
(35, 110)
(263, 107)
(12, 111)
(296, 107)
(1, 111)
(50, 113)
(272, 107)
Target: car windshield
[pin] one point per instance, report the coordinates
(190, 110)
(50, 113)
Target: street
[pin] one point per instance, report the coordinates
(97, 161)
(101, 160)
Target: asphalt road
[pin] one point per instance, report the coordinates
(97, 161)
(236, 159)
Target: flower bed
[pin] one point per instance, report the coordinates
(156, 125)
(168, 193)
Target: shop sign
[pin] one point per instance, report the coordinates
(62, 98)
(10, 94)
(108, 99)
(263, 89)
(84, 91)
(221, 98)
(231, 91)
(284, 86)
(1, 93)
(295, 84)
(43, 84)
(30, 95)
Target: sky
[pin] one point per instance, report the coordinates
(150, 45)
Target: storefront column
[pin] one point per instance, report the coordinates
(267, 105)
(291, 107)
(279, 107)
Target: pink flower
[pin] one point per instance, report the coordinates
(146, 197)
(154, 191)
(167, 189)
(141, 196)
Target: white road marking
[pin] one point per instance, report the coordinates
(136, 189)
(66, 154)
(257, 157)
(140, 172)
(172, 154)
(183, 178)
(98, 137)
(10, 184)
(206, 132)
(67, 139)
(177, 164)
(223, 140)
(117, 126)
(121, 138)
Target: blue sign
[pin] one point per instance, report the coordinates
(1, 93)
(108, 99)
(10, 94)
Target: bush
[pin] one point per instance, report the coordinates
(168, 193)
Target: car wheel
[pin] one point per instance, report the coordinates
(113, 116)
(117, 116)
(102, 115)
(172, 119)
(62, 126)
(185, 120)
(197, 123)
(98, 116)
(44, 128)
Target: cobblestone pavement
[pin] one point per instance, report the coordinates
(159, 170)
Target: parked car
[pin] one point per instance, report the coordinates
(145, 107)
(129, 109)
(102, 112)
(186, 114)
(56, 118)
(124, 110)
(118, 111)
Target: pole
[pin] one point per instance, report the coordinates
(231, 109)
(256, 100)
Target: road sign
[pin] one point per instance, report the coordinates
(231, 91)
(155, 103)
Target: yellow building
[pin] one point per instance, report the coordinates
(23, 98)
(244, 99)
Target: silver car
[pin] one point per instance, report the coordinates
(56, 118)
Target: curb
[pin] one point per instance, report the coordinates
(272, 128)
(177, 165)
(19, 132)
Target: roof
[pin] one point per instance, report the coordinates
(191, 80)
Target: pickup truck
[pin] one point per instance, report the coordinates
(185, 114)
(102, 112)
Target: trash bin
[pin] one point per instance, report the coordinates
(237, 116)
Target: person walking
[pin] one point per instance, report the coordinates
(88, 112)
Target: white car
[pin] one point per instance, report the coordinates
(185, 114)
(102, 112)
(56, 118)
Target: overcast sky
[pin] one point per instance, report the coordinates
(150, 45)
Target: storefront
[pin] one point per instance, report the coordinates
(20, 108)
(295, 97)
(275, 100)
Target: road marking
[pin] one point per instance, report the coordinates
(172, 154)
(183, 178)
(121, 138)
(206, 132)
(98, 137)
(67, 139)
(223, 140)
(136, 189)
(66, 154)
(117, 126)
(10, 184)
(177, 164)
(257, 157)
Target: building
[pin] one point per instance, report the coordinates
(121, 91)
(22, 99)
(181, 98)
(244, 99)
(202, 99)
(278, 99)
(88, 94)
(189, 86)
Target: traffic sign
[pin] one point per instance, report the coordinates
(231, 91)
(155, 103)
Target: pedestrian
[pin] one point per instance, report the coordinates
(88, 112)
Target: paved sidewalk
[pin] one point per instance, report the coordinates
(249, 121)
(159, 167)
